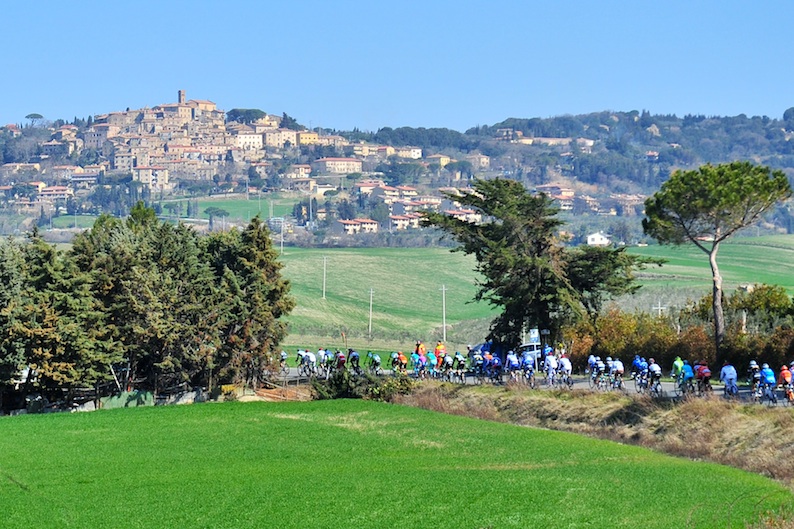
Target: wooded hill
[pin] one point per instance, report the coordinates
(628, 152)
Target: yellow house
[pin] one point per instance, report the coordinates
(307, 137)
(440, 159)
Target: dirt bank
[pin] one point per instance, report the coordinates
(751, 437)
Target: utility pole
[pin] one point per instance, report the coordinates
(444, 312)
(325, 263)
(370, 312)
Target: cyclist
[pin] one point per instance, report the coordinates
(511, 360)
(655, 370)
(728, 376)
(678, 367)
(460, 362)
(374, 361)
(432, 362)
(403, 361)
(487, 357)
(635, 366)
(395, 361)
(283, 360)
(512, 364)
(301, 358)
(527, 363)
(341, 360)
(550, 366)
(610, 368)
(687, 375)
(421, 365)
(618, 368)
(477, 362)
(446, 363)
(323, 356)
(310, 359)
(600, 367)
(754, 374)
(415, 359)
(703, 375)
(441, 349)
(353, 358)
(768, 381)
(565, 368)
(784, 377)
(496, 366)
(784, 380)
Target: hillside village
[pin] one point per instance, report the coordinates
(190, 147)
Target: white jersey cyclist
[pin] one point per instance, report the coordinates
(565, 365)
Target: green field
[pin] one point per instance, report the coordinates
(348, 464)
(767, 260)
(406, 287)
(242, 210)
(70, 221)
(406, 292)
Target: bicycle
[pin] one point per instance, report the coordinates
(730, 390)
(768, 393)
(529, 377)
(788, 392)
(704, 387)
(684, 388)
(656, 390)
(641, 383)
(616, 383)
(602, 382)
(283, 368)
(564, 380)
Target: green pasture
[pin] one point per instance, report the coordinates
(767, 260)
(242, 210)
(348, 464)
(71, 221)
(406, 292)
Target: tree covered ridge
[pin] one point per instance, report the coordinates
(617, 151)
(139, 304)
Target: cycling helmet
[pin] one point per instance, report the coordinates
(609, 358)
(651, 361)
(686, 362)
(598, 358)
(765, 366)
(753, 363)
(784, 368)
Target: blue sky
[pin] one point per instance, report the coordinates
(369, 64)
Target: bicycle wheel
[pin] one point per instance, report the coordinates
(531, 380)
(591, 380)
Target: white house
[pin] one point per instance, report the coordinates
(598, 239)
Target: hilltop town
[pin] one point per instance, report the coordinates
(344, 183)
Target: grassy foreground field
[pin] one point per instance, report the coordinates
(348, 464)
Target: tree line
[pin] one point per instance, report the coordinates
(138, 304)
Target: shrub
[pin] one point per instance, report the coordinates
(343, 385)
